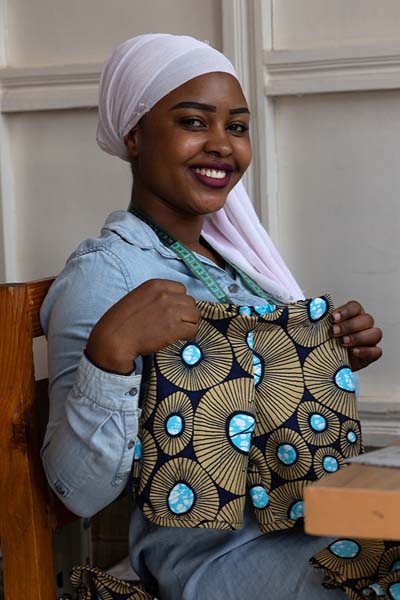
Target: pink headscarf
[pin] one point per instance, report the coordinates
(134, 78)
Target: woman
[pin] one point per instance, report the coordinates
(174, 109)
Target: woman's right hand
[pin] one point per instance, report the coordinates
(151, 317)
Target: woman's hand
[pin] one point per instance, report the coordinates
(151, 317)
(359, 336)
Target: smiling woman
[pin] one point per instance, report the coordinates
(154, 318)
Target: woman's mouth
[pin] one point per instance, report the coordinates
(212, 177)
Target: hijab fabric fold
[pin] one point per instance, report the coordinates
(140, 72)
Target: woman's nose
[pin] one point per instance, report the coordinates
(218, 142)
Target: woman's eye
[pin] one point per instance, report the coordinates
(238, 127)
(192, 122)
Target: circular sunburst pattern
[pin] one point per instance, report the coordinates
(181, 488)
(229, 518)
(328, 377)
(286, 501)
(351, 558)
(318, 425)
(150, 396)
(327, 460)
(350, 438)
(241, 336)
(287, 454)
(223, 425)
(173, 423)
(309, 321)
(149, 458)
(258, 468)
(280, 384)
(390, 561)
(197, 365)
(215, 311)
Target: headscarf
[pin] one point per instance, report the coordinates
(134, 78)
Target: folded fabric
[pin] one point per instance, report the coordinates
(261, 402)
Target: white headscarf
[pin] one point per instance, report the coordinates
(134, 78)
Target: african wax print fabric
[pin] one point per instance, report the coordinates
(362, 568)
(262, 401)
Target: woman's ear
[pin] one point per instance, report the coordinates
(132, 142)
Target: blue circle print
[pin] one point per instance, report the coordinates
(265, 309)
(345, 548)
(245, 311)
(191, 354)
(394, 591)
(318, 307)
(351, 436)
(344, 379)
(297, 510)
(137, 453)
(257, 369)
(330, 464)
(250, 339)
(377, 589)
(180, 498)
(395, 566)
(259, 496)
(241, 426)
(287, 454)
(174, 425)
(318, 422)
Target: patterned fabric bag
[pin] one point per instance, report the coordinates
(261, 403)
(93, 584)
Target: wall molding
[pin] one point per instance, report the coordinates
(324, 70)
(286, 72)
(52, 87)
(380, 421)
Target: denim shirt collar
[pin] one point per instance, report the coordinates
(133, 231)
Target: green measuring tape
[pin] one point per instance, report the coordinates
(195, 266)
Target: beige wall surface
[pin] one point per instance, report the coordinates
(55, 31)
(320, 23)
(57, 185)
(339, 210)
(65, 186)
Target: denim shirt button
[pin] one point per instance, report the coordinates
(133, 391)
(131, 444)
(233, 288)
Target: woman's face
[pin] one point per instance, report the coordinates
(192, 147)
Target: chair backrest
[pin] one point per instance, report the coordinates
(29, 511)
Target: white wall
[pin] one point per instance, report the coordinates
(320, 23)
(56, 32)
(57, 187)
(329, 169)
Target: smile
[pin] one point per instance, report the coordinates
(212, 177)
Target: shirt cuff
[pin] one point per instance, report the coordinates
(109, 390)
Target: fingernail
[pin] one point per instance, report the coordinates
(336, 329)
(346, 339)
(356, 351)
(336, 316)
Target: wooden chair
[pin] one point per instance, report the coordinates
(29, 511)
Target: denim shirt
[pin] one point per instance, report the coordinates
(90, 438)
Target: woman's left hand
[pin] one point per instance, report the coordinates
(356, 328)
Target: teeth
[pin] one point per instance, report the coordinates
(213, 173)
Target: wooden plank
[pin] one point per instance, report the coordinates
(357, 501)
(25, 530)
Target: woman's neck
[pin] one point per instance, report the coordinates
(183, 227)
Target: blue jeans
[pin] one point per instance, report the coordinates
(201, 564)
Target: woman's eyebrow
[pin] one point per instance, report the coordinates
(209, 107)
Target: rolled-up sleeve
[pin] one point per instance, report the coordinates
(90, 438)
